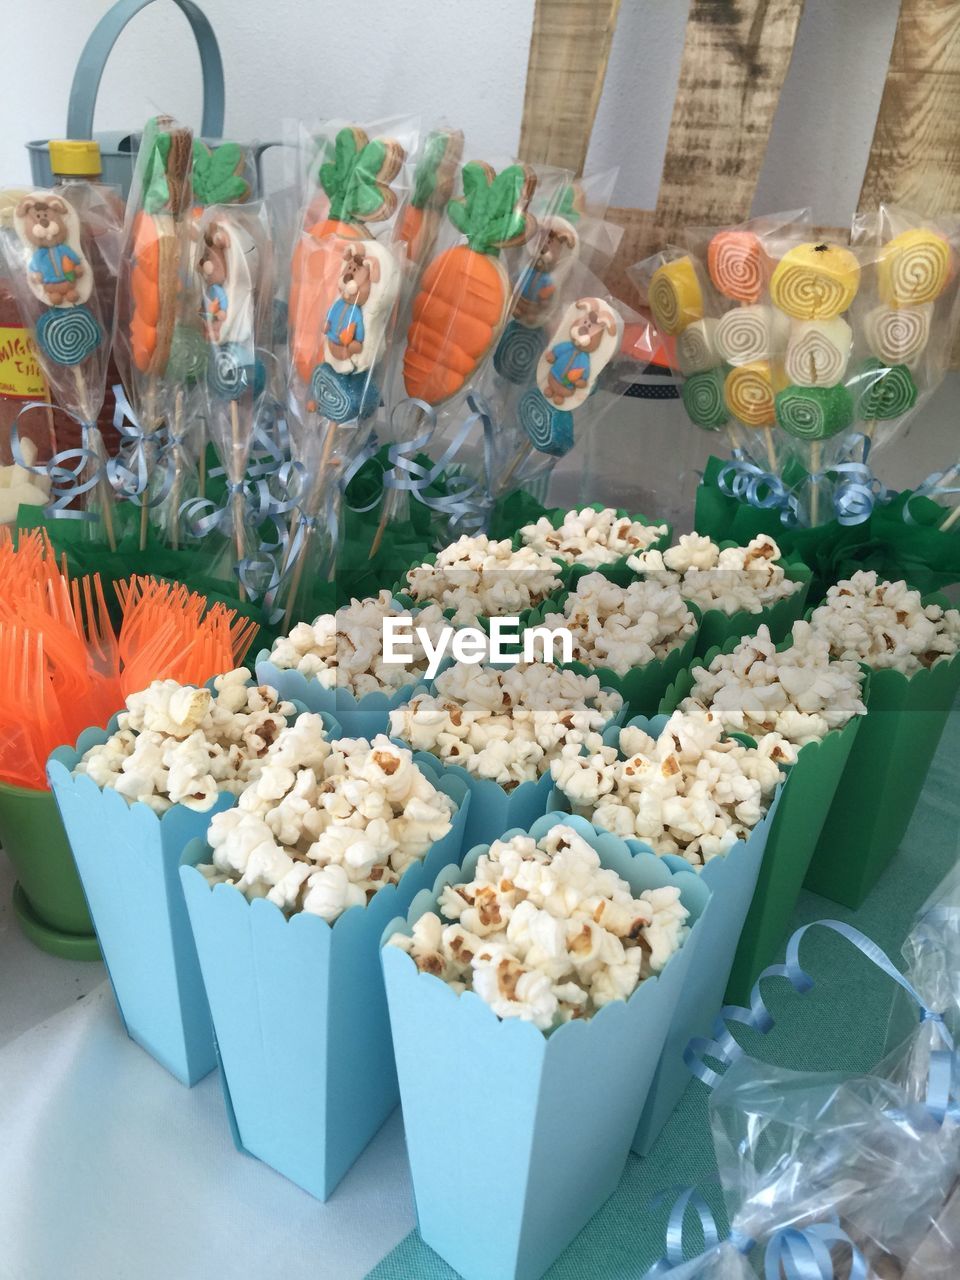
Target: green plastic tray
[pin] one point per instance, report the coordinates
(883, 778)
(804, 805)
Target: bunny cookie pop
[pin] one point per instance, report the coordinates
(55, 284)
(586, 339)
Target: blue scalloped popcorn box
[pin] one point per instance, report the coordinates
(300, 1014)
(128, 859)
(552, 1116)
(731, 880)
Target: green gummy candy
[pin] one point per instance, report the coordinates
(703, 400)
(888, 390)
(814, 413)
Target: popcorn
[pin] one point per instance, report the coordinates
(885, 625)
(734, 579)
(591, 537)
(624, 627)
(691, 791)
(325, 825)
(476, 578)
(797, 693)
(544, 933)
(344, 650)
(506, 725)
(176, 744)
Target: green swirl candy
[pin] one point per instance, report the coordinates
(888, 390)
(188, 355)
(813, 413)
(703, 400)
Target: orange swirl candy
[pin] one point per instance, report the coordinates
(675, 296)
(749, 390)
(736, 260)
(914, 267)
(815, 281)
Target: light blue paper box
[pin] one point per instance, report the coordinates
(128, 859)
(358, 717)
(731, 881)
(301, 1016)
(551, 1117)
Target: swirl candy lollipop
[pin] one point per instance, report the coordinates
(815, 281)
(586, 339)
(697, 347)
(814, 414)
(818, 352)
(898, 335)
(55, 285)
(914, 267)
(748, 392)
(750, 333)
(737, 264)
(675, 296)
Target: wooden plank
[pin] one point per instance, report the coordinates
(735, 60)
(915, 156)
(569, 50)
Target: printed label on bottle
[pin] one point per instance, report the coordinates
(21, 377)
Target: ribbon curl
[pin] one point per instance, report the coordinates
(745, 481)
(141, 453)
(66, 485)
(933, 487)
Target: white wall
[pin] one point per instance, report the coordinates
(465, 62)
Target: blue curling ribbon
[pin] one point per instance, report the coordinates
(65, 469)
(467, 503)
(791, 1252)
(934, 487)
(725, 1049)
(141, 453)
(857, 490)
(745, 481)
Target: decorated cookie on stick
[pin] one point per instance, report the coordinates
(433, 182)
(586, 339)
(554, 250)
(54, 282)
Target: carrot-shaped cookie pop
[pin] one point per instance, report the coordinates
(464, 293)
(433, 181)
(584, 342)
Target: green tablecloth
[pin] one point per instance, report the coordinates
(840, 1025)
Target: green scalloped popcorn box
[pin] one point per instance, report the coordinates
(617, 570)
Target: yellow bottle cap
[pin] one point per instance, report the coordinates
(79, 157)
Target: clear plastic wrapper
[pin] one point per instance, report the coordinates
(156, 265)
(443, 377)
(347, 273)
(59, 248)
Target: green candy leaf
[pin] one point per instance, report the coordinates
(154, 151)
(428, 170)
(216, 179)
(493, 210)
(352, 180)
(567, 207)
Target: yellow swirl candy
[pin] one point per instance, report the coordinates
(749, 391)
(675, 297)
(815, 281)
(914, 267)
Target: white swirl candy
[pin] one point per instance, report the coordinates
(176, 744)
(747, 334)
(506, 724)
(898, 335)
(624, 627)
(591, 537)
(818, 352)
(736, 578)
(344, 650)
(691, 791)
(325, 825)
(885, 625)
(477, 577)
(798, 693)
(544, 933)
(697, 348)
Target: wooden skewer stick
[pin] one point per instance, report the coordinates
(177, 472)
(106, 497)
(316, 492)
(771, 449)
(815, 487)
(519, 459)
(954, 515)
(390, 501)
(238, 496)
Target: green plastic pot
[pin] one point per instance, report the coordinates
(797, 824)
(717, 627)
(48, 899)
(883, 778)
